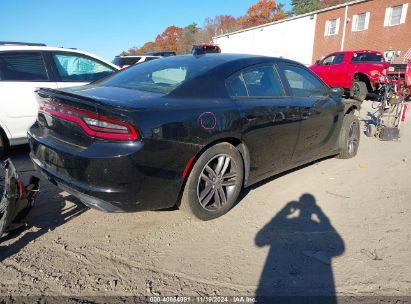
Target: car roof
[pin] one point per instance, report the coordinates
(355, 51)
(17, 48)
(247, 59)
(136, 55)
(223, 66)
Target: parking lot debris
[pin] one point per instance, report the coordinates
(371, 254)
(337, 195)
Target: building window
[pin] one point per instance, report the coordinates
(360, 22)
(389, 56)
(331, 27)
(395, 15)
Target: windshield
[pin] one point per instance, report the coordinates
(160, 76)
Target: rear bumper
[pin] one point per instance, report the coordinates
(113, 177)
(77, 190)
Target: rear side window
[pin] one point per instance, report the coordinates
(367, 58)
(22, 66)
(78, 68)
(256, 82)
(303, 83)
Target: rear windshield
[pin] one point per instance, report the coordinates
(160, 76)
(367, 57)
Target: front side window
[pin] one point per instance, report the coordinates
(395, 15)
(303, 83)
(260, 81)
(22, 66)
(332, 27)
(333, 59)
(78, 68)
(328, 60)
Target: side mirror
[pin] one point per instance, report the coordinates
(336, 92)
(318, 62)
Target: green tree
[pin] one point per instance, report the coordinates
(189, 37)
(300, 7)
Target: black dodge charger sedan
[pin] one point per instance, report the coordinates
(190, 131)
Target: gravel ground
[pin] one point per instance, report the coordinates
(335, 227)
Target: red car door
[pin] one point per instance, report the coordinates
(337, 72)
(324, 69)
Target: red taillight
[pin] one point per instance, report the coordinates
(93, 124)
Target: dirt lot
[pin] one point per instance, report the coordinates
(334, 227)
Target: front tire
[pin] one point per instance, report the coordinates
(359, 90)
(214, 183)
(349, 137)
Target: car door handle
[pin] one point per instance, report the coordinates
(251, 117)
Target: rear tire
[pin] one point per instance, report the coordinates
(349, 137)
(359, 90)
(214, 183)
(3, 146)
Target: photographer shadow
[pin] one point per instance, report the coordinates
(302, 244)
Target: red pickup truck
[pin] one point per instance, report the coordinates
(357, 72)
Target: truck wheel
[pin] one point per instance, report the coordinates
(371, 130)
(349, 137)
(359, 90)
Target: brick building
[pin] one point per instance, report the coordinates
(381, 25)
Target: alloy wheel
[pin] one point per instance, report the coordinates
(217, 182)
(355, 90)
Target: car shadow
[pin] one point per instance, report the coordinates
(244, 192)
(51, 209)
(302, 243)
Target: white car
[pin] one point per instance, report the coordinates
(24, 67)
(124, 61)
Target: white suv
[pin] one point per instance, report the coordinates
(24, 67)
